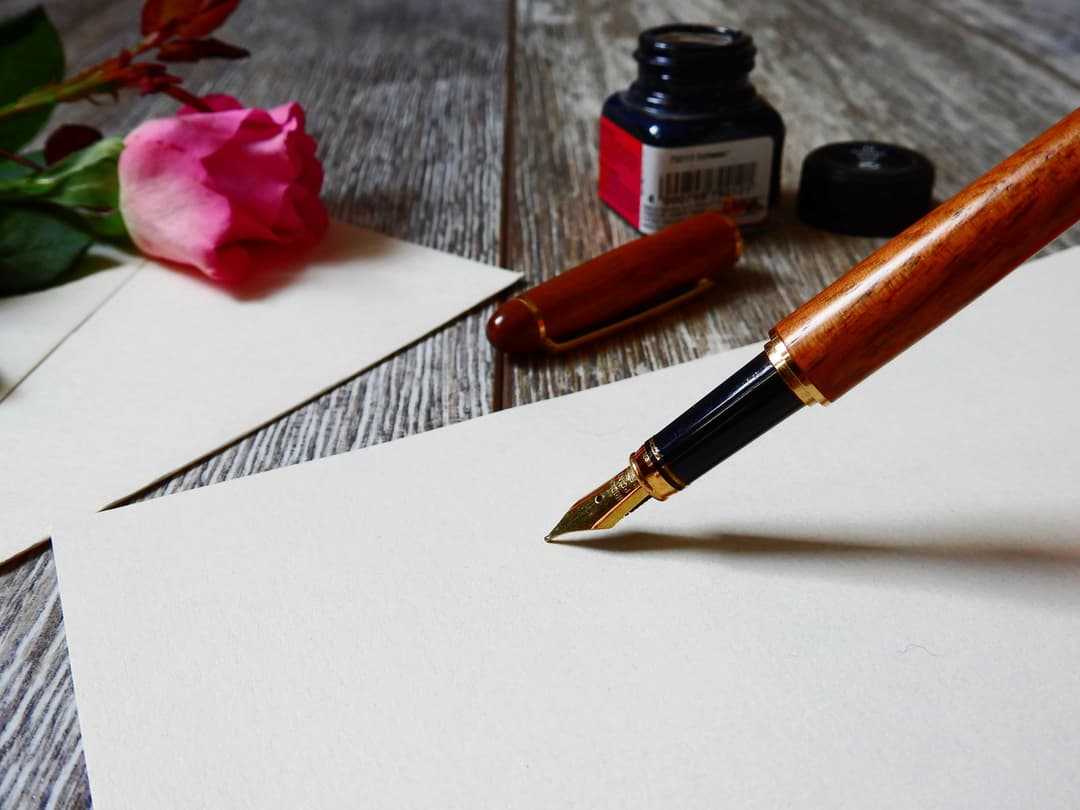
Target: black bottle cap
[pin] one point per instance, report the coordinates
(864, 188)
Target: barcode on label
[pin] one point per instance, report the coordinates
(716, 181)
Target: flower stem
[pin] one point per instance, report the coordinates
(183, 96)
(24, 161)
(104, 77)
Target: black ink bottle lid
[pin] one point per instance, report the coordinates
(691, 132)
(864, 188)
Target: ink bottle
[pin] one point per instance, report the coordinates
(692, 133)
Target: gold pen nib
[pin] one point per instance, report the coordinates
(605, 506)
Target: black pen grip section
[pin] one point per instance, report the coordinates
(731, 416)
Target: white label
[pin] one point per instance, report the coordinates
(678, 183)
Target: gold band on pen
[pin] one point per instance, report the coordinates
(541, 327)
(780, 358)
(654, 475)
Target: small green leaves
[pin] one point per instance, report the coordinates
(48, 218)
(37, 246)
(53, 205)
(84, 179)
(31, 55)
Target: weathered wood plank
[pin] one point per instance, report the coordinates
(835, 71)
(1045, 34)
(405, 100)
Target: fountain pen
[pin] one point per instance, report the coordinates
(879, 308)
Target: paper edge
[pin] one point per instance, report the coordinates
(132, 267)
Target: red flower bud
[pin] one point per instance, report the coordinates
(222, 190)
(187, 18)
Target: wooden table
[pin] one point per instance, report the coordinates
(471, 127)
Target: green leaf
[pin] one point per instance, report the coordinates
(84, 179)
(36, 248)
(83, 188)
(108, 225)
(31, 55)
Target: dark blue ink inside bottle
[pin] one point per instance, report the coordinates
(692, 133)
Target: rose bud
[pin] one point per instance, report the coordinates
(222, 190)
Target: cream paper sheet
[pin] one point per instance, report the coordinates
(171, 368)
(34, 324)
(876, 605)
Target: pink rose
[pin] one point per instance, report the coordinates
(222, 190)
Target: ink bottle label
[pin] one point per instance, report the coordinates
(653, 187)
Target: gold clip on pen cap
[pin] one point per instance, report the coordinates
(623, 286)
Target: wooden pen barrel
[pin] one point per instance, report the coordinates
(937, 266)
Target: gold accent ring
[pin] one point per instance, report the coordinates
(541, 327)
(658, 481)
(780, 358)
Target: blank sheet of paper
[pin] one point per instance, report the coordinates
(172, 368)
(34, 324)
(875, 605)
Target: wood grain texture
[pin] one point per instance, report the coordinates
(1045, 33)
(905, 73)
(406, 100)
(910, 286)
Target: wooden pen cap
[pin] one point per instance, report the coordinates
(620, 287)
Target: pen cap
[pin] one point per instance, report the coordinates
(621, 286)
